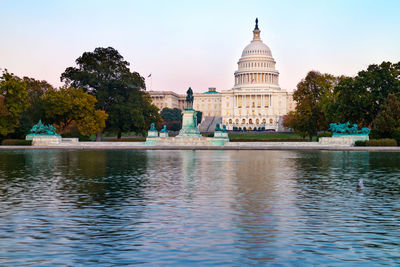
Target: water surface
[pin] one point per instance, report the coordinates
(256, 208)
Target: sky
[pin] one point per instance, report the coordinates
(198, 43)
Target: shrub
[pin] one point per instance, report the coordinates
(381, 142)
(77, 135)
(396, 136)
(360, 143)
(16, 142)
(374, 134)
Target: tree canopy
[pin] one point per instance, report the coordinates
(105, 74)
(312, 96)
(70, 104)
(361, 98)
(13, 102)
(171, 114)
(387, 122)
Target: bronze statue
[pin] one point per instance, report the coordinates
(189, 98)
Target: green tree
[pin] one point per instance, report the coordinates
(69, 104)
(13, 103)
(361, 98)
(387, 122)
(293, 121)
(312, 97)
(137, 111)
(34, 112)
(105, 74)
(171, 114)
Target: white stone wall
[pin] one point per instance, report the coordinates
(208, 103)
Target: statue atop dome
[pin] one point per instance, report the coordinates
(256, 32)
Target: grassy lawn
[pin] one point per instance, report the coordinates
(266, 137)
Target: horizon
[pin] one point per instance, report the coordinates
(197, 44)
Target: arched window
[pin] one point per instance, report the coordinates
(271, 121)
(237, 121)
(264, 121)
(230, 121)
(243, 121)
(250, 121)
(257, 121)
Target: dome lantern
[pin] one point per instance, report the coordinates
(256, 32)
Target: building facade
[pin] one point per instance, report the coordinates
(256, 100)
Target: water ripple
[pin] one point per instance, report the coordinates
(108, 208)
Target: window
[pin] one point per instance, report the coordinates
(230, 121)
(250, 121)
(271, 121)
(243, 121)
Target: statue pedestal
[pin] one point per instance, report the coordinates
(163, 134)
(152, 137)
(189, 124)
(342, 140)
(220, 138)
(46, 140)
(220, 134)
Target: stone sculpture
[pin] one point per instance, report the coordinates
(189, 98)
(345, 129)
(41, 129)
(153, 127)
(164, 129)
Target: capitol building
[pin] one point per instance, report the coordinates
(255, 101)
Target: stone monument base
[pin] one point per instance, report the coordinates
(188, 141)
(189, 124)
(45, 140)
(152, 136)
(343, 140)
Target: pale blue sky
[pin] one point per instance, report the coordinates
(198, 43)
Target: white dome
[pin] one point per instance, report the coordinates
(256, 67)
(256, 47)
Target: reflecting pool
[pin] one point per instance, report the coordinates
(199, 208)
